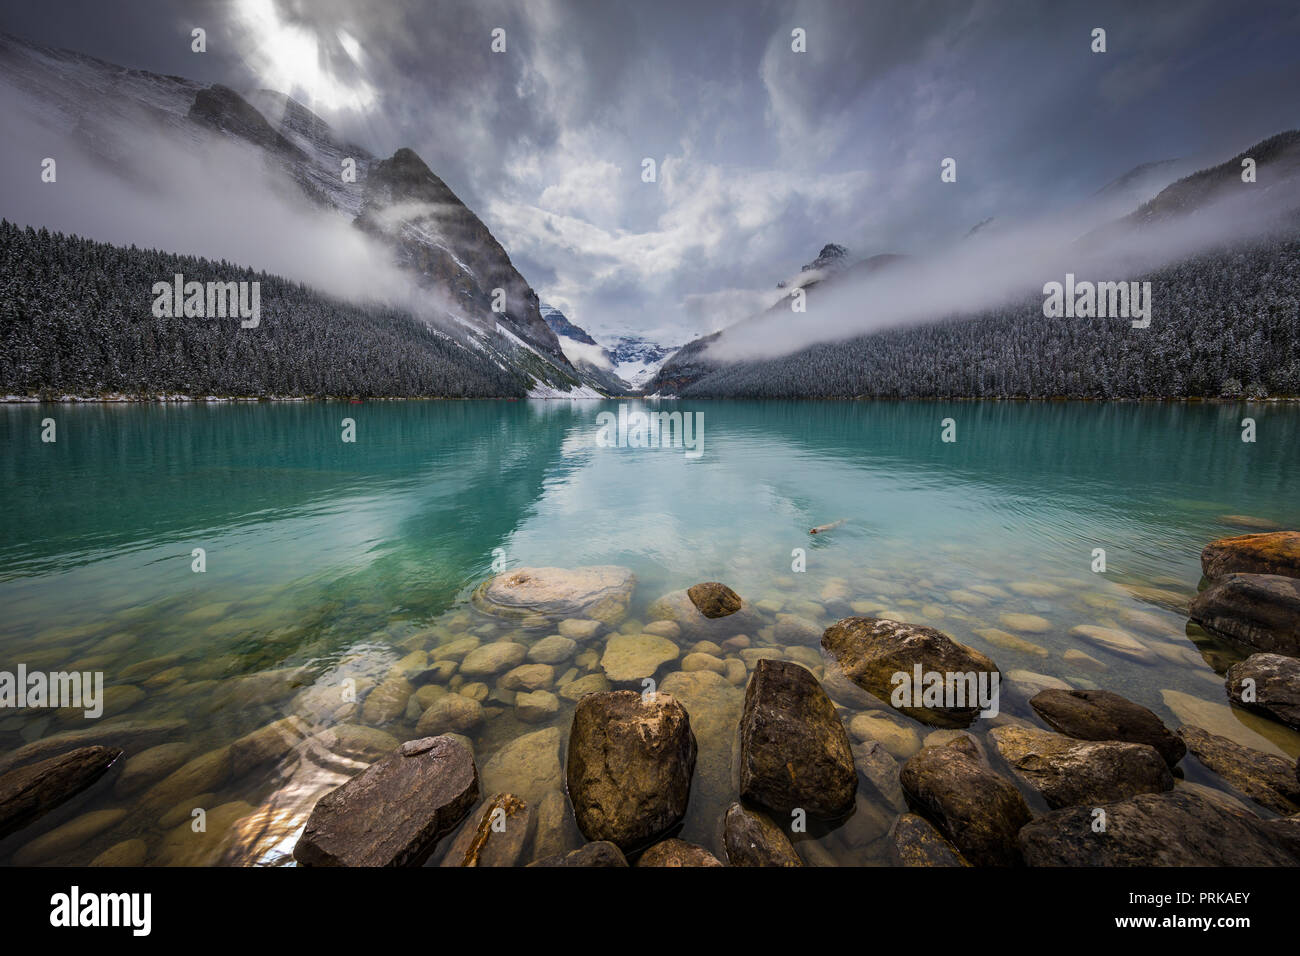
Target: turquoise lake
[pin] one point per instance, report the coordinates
(331, 563)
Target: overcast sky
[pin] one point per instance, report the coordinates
(763, 154)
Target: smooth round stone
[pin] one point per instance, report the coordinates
(579, 629)
(1077, 658)
(591, 684)
(969, 598)
(536, 707)
(555, 649)
(1036, 589)
(703, 662)
(529, 677)
(899, 740)
(706, 647)
(476, 691)
(492, 659)
(451, 713)
(457, 649)
(737, 643)
(1026, 623)
(735, 671)
(126, 853)
(68, 837)
(1114, 640)
(1001, 638)
(669, 629)
(633, 657)
(151, 765)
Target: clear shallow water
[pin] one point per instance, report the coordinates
(328, 560)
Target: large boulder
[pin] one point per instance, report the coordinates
(1269, 683)
(751, 839)
(794, 750)
(30, 792)
(1268, 780)
(918, 843)
(674, 852)
(1261, 610)
(600, 593)
(978, 811)
(395, 811)
(629, 766)
(600, 853)
(1068, 772)
(872, 651)
(1102, 715)
(1276, 552)
(1177, 828)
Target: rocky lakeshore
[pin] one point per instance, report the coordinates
(1099, 784)
(542, 725)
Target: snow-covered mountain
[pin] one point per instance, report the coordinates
(637, 360)
(461, 279)
(631, 361)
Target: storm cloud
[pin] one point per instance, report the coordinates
(762, 154)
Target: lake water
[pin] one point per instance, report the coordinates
(328, 561)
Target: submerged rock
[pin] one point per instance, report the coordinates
(629, 766)
(713, 599)
(677, 607)
(1261, 610)
(600, 593)
(125, 735)
(978, 811)
(599, 853)
(918, 843)
(1068, 772)
(752, 839)
(676, 852)
(529, 765)
(794, 750)
(1178, 828)
(30, 792)
(1102, 715)
(68, 837)
(633, 657)
(1272, 553)
(1269, 683)
(497, 837)
(394, 812)
(871, 651)
(489, 659)
(1268, 780)
(1116, 641)
(150, 766)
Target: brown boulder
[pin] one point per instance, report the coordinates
(1261, 610)
(630, 763)
(395, 811)
(794, 750)
(1276, 552)
(978, 811)
(714, 599)
(677, 853)
(1102, 715)
(871, 651)
(1068, 772)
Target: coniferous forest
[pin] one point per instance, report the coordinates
(76, 318)
(1223, 324)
